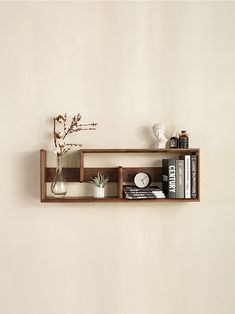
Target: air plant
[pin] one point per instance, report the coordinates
(61, 147)
(100, 180)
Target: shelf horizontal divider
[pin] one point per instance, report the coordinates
(73, 174)
(90, 199)
(141, 150)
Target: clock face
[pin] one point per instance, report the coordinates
(142, 180)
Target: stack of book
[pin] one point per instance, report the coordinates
(180, 177)
(133, 192)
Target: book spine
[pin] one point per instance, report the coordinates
(165, 176)
(187, 176)
(142, 190)
(171, 178)
(145, 194)
(140, 197)
(179, 178)
(160, 196)
(194, 176)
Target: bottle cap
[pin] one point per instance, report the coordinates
(183, 131)
(173, 134)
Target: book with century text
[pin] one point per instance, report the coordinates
(169, 177)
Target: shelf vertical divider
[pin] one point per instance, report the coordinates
(120, 182)
(43, 160)
(198, 174)
(81, 166)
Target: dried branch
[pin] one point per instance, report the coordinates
(59, 136)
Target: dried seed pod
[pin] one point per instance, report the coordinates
(58, 135)
(60, 118)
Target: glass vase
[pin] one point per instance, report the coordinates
(59, 184)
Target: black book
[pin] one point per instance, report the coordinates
(169, 177)
(136, 189)
(165, 176)
(139, 193)
(140, 197)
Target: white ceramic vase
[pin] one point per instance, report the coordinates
(98, 192)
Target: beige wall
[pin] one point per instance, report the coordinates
(127, 66)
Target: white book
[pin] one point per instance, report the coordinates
(187, 171)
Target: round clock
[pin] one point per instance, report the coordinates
(142, 180)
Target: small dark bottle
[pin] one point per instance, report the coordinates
(183, 140)
(173, 141)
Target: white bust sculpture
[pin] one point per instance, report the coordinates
(158, 130)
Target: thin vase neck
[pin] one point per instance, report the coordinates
(59, 164)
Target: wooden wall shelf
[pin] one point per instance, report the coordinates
(115, 174)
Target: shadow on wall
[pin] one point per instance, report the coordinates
(26, 173)
(145, 135)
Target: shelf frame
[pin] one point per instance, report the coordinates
(116, 174)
